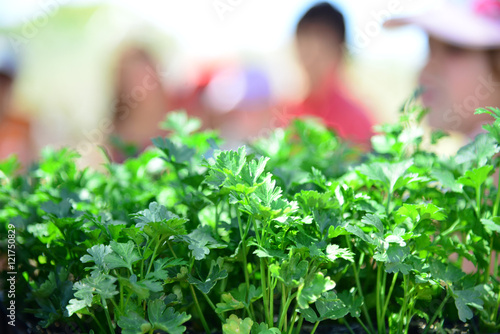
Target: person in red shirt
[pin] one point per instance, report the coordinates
(15, 130)
(320, 39)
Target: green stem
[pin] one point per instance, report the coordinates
(121, 308)
(315, 326)
(202, 317)
(292, 321)
(451, 229)
(271, 298)
(98, 323)
(182, 185)
(379, 302)
(148, 244)
(282, 321)
(108, 318)
(348, 327)
(171, 249)
(492, 260)
(363, 325)
(478, 202)
(495, 311)
(209, 301)
(440, 308)
(393, 283)
(402, 315)
(358, 284)
(497, 200)
(153, 256)
(389, 198)
(285, 296)
(264, 291)
(257, 236)
(299, 324)
(244, 249)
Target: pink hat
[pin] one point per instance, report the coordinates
(469, 24)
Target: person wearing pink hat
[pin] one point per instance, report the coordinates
(463, 69)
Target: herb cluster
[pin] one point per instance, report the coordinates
(296, 230)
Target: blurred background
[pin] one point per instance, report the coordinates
(89, 73)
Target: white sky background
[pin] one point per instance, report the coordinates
(252, 26)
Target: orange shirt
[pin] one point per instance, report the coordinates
(15, 138)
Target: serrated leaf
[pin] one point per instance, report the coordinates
(418, 212)
(174, 152)
(97, 255)
(491, 225)
(166, 319)
(97, 284)
(124, 255)
(76, 305)
(464, 299)
(158, 221)
(291, 272)
(479, 152)
(352, 303)
(200, 241)
(262, 328)
(328, 306)
(373, 220)
(215, 274)
(447, 179)
(446, 272)
(391, 267)
(160, 265)
(353, 229)
(476, 177)
(247, 296)
(312, 289)
(334, 252)
(228, 303)
(132, 323)
(235, 325)
(226, 163)
(391, 175)
(46, 288)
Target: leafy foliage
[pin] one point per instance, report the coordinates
(295, 228)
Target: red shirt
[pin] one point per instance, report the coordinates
(15, 138)
(338, 112)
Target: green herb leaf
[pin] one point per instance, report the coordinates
(97, 255)
(312, 289)
(291, 272)
(215, 274)
(157, 221)
(124, 255)
(166, 319)
(464, 299)
(262, 328)
(476, 177)
(229, 303)
(132, 323)
(235, 325)
(479, 152)
(334, 252)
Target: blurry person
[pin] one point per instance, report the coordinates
(463, 69)
(320, 41)
(232, 98)
(140, 104)
(15, 134)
